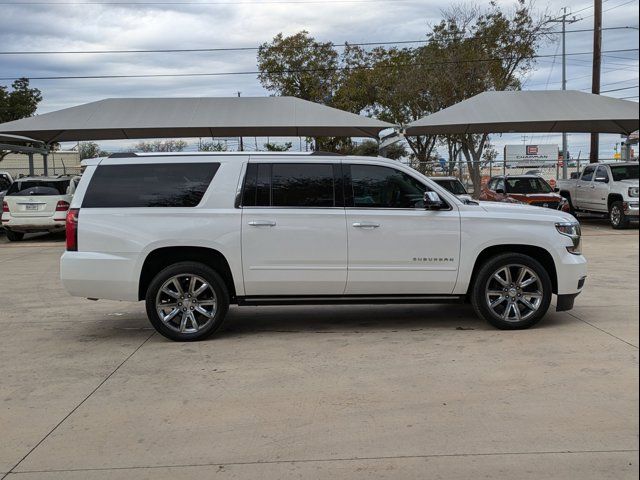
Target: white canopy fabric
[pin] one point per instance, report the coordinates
(532, 111)
(127, 118)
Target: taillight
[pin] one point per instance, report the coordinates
(62, 206)
(72, 229)
(5, 207)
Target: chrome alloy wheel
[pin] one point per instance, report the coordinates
(186, 303)
(615, 215)
(514, 293)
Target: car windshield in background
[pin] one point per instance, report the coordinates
(454, 186)
(624, 172)
(527, 185)
(38, 188)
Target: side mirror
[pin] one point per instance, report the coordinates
(500, 191)
(602, 179)
(432, 201)
(556, 189)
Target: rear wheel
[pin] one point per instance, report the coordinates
(617, 217)
(187, 301)
(14, 236)
(512, 291)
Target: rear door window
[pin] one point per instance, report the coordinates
(149, 185)
(310, 185)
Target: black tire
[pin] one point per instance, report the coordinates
(617, 218)
(480, 301)
(567, 197)
(187, 269)
(14, 236)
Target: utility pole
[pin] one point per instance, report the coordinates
(595, 76)
(563, 20)
(240, 144)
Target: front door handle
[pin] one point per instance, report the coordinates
(366, 225)
(262, 223)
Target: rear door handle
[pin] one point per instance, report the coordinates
(262, 223)
(366, 225)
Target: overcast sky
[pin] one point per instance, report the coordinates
(72, 25)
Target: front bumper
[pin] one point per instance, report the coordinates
(631, 209)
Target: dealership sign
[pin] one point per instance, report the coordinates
(534, 154)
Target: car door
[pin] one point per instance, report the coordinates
(599, 189)
(294, 239)
(583, 187)
(395, 246)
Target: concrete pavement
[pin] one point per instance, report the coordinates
(89, 391)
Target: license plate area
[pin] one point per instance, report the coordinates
(31, 208)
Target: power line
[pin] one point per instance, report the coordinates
(619, 89)
(244, 49)
(309, 70)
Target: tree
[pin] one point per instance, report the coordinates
(299, 66)
(90, 150)
(212, 146)
(21, 102)
(275, 147)
(486, 50)
(161, 146)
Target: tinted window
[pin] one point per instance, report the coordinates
(587, 174)
(383, 187)
(454, 186)
(602, 173)
(289, 185)
(527, 185)
(4, 182)
(152, 185)
(624, 172)
(500, 184)
(21, 188)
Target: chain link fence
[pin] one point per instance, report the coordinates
(51, 171)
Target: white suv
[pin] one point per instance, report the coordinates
(36, 204)
(191, 234)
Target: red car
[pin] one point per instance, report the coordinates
(529, 189)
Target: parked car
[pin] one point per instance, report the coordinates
(5, 182)
(605, 188)
(36, 204)
(191, 234)
(453, 185)
(530, 189)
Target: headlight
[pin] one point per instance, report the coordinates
(633, 191)
(571, 230)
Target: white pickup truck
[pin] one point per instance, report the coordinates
(605, 188)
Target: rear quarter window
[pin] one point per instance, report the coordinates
(149, 185)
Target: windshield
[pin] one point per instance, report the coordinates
(25, 188)
(624, 172)
(527, 185)
(454, 186)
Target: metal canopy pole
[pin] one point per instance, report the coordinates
(31, 172)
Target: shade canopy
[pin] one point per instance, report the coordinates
(532, 111)
(125, 118)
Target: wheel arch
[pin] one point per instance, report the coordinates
(613, 197)
(538, 253)
(163, 257)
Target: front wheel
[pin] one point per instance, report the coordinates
(187, 301)
(512, 291)
(617, 217)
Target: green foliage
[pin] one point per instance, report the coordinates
(91, 150)
(212, 147)
(21, 102)
(276, 147)
(161, 146)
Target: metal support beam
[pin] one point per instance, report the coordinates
(31, 171)
(45, 165)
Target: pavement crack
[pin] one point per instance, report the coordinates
(326, 460)
(602, 330)
(74, 409)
